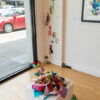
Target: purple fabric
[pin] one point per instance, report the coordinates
(64, 92)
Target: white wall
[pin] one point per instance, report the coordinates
(40, 20)
(57, 27)
(56, 23)
(43, 39)
(82, 40)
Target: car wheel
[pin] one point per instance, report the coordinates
(8, 28)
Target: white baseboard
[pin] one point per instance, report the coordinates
(87, 70)
(56, 62)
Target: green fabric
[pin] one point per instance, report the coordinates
(74, 97)
(53, 5)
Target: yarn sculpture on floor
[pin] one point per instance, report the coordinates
(49, 84)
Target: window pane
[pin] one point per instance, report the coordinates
(13, 38)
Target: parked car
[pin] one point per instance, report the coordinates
(12, 20)
(8, 7)
(3, 11)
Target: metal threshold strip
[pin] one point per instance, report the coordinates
(21, 69)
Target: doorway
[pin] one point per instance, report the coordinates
(16, 51)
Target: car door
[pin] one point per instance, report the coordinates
(20, 19)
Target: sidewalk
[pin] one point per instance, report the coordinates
(12, 51)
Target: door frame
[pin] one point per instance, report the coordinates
(33, 28)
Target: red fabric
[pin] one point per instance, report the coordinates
(38, 62)
(50, 46)
(41, 88)
(34, 63)
(50, 87)
(50, 31)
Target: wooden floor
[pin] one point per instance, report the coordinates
(86, 87)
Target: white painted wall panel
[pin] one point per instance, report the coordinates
(82, 40)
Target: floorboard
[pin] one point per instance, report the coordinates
(86, 87)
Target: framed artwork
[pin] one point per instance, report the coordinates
(91, 11)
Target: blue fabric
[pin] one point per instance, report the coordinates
(45, 98)
(37, 74)
(64, 92)
(54, 73)
(36, 93)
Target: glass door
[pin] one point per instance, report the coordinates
(15, 37)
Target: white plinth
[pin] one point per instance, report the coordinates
(30, 96)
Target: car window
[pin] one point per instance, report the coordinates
(21, 12)
(8, 14)
(12, 7)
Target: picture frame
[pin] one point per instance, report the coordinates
(91, 11)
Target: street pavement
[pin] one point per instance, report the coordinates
(12, 51)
